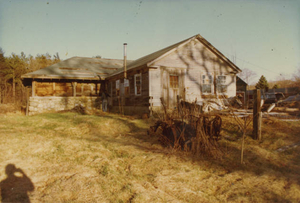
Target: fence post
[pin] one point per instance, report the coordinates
(151, 106)
(27, 101)
(257, 115)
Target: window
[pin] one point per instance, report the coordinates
(174, 81)
(221, 84)
(138, 84)
(117, 87)
(207, 84)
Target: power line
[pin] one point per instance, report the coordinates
(253, 64)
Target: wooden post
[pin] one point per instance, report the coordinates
(257, 115)
(53, 88)
(74, 84)
(33, 88)
(259, 122)
(82, 87)
(125, 61)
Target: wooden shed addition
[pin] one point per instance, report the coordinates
(73, 82)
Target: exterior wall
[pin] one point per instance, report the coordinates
(160, 86)
(155, 90)
(193, 60)
(53, 104)
(129, 103)
(43, 88)
(240, 85)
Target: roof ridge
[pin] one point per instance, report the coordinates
(217, 52)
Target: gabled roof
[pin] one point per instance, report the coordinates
(217, 52)
(84, 68)
(151, 58)
(240, 81)
(79, 68)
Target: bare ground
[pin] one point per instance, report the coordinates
(109, 158)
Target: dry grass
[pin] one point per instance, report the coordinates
(109, 158)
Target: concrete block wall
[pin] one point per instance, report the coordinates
(53, 104)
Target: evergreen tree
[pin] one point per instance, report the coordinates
(275, 86)
(262, 83)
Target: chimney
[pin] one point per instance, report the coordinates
(125, 62)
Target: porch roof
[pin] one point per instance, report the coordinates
(79, 68)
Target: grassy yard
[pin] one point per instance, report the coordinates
(70, 157)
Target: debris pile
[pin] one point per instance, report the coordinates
(193, 132)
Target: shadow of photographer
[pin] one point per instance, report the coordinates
(16, 186)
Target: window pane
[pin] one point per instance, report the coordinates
(206, 88)
(222, 79)
(222, 88)
(118, 88)
(210, 79)
(138, 84)
(118, 84)
(207, 79)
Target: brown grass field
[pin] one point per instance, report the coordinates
(69, 157)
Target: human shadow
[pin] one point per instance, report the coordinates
(16, 186)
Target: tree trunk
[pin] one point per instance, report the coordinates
(14, 88)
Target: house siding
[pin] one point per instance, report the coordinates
(155, 89)
(132, 103)
(191, 61)
(65, 89)
(174, 71)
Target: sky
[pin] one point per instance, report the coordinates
(263, 36)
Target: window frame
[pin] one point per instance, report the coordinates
(117, 88)
(221, 84)
(135, 84)
(205, 84)
(172, 81)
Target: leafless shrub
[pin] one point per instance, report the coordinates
(190, 130)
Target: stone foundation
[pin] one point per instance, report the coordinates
(53, 104)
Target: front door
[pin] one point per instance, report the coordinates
(173, 90)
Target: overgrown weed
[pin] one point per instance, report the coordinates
(89, 158)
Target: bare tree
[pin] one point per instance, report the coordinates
(296, 77)
(285, 80)
(247, 75)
